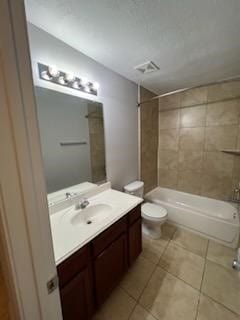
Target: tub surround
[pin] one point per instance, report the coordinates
(213, 219)
(68, 237)
(194, 127)
(149, 139)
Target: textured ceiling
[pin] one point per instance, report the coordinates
(192, 41)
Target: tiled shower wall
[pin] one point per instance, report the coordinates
(193, 129)
(149, 140)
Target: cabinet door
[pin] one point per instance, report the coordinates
(109, 268)
(77, 297)
(134, 241)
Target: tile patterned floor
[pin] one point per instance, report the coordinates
(181, 276)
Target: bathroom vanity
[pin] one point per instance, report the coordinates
(93, 257)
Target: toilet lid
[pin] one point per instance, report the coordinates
(153, 211)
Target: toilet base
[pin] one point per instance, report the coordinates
(152, 230)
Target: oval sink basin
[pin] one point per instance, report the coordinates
(92, 214)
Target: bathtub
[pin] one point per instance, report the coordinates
(213, 219)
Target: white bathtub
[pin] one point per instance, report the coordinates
(213, 219)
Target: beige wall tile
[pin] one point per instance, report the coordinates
(223, 113)
(224, 91)
(238, 139)
(191, 138)
(236, 168)
(149, 140)
(193, 116)
(167, 159)
(170, 102)
(222, 137)
(216, 186)
(218, 163)
(190, 160)
(189, 181)
(193, 135)
(168, 139)
(167, 178)
(194, 96)
(169, 119)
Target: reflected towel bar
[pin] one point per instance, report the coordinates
(73, 143)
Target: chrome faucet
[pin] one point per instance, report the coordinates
(70, 194)
(83, 203)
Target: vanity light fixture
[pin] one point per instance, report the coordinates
(52, 74)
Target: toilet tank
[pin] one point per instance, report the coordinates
(135, 188)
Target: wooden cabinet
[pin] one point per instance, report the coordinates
(76, 297)
(89, 275)
(109, 267)
(134, 234)
(134, 241)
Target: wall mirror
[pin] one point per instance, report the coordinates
(72, 139)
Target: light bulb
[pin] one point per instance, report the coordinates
(86, 88)
(45, 75)
(69, 77)
(62, 80)
(75, 84)
(84, 81)
(95, 86)
(53, 71)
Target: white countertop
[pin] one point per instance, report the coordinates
(68, 238)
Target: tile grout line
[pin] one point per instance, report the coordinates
(200, 289)
(155, 267)
(221, 304)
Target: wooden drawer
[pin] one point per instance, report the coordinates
(69, 268)
(134, 214)
(108, 236)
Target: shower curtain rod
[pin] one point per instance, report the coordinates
(186, 89)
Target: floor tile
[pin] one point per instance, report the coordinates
(208, 309)
(140, 313)
(119, 306)
(223, 285)
(221, 254)
(153, 249)
(168, 231)
(168, 298)
(183, 264)
(191, 242)
(136, 278)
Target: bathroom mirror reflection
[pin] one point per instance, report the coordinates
(72, 139)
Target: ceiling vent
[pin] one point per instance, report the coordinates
(147, 67)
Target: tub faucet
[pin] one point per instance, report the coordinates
(236, 262)
(236, 192)
(82, 204)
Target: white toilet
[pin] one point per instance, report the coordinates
(153, 215)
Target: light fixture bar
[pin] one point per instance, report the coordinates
(52, 74)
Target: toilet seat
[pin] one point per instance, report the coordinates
(153, 212)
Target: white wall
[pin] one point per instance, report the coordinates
(118, 95)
